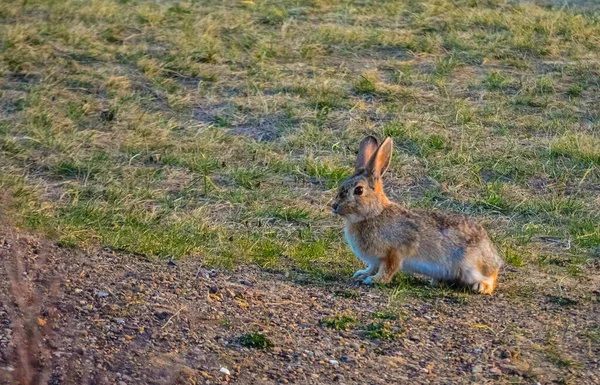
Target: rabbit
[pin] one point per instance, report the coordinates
(388, 237)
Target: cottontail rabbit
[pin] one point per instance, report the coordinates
(388, 237)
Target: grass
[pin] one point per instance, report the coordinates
(339, 322)
(220, 130)
(256, 340)
(379, 331)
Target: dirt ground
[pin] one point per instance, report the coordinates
(105, 318)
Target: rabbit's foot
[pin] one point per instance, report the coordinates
(362, 274)
(370, 280)
(483, 287)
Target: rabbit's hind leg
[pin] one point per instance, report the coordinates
(480, 283)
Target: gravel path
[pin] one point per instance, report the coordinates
(106, 318)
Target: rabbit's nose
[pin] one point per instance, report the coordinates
(334, 207)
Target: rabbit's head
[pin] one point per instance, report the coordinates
(361, 195)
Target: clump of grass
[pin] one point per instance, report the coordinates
(562, 300)
(444, 66)
(256, 340)
(365, 85)
(593, 334)
(495, 81)
(512, 257)
(579, 147)
(560, 360)
(379, 331)
(339, 322)
(544, 85)
(495, 198)
(575, 90)
(286, 213)
(385, 315)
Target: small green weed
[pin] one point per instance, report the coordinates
(513, 257)
(339, 322)
(593, 334)
(575, 90)
(379, 331)
(495, 81)
(385, 315)
(365, 86)
(256, 340)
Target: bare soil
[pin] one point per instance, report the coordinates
(106, 318)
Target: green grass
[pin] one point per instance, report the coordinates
(219, 130)
(379, 331)
(339, 322)
(256, 340)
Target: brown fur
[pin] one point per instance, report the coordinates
(388, 237)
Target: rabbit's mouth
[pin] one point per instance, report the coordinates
(336, 208)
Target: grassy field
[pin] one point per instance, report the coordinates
(220, 129)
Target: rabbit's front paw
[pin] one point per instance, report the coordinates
(370, 280)
(361, 274)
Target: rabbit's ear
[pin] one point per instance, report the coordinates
(366, 149)
(380, 161)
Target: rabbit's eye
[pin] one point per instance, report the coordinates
(358, 190)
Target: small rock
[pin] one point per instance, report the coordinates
(308, 352)
(333, 362)
(77, 291)
(477, 351)
(476, 369)
(496, 371)
(172, 263)
(345, 359)
(162, 314)
(225, 371)
(120, 321)
(523, 367)
(102, 294)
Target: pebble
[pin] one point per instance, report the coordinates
(225, 371)
(172, 263)
(496, 371)
(333, 362)
(477, 351)
(308, 352)
(120, 321)
(476, 369)
(102, 294)
(523, 366)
